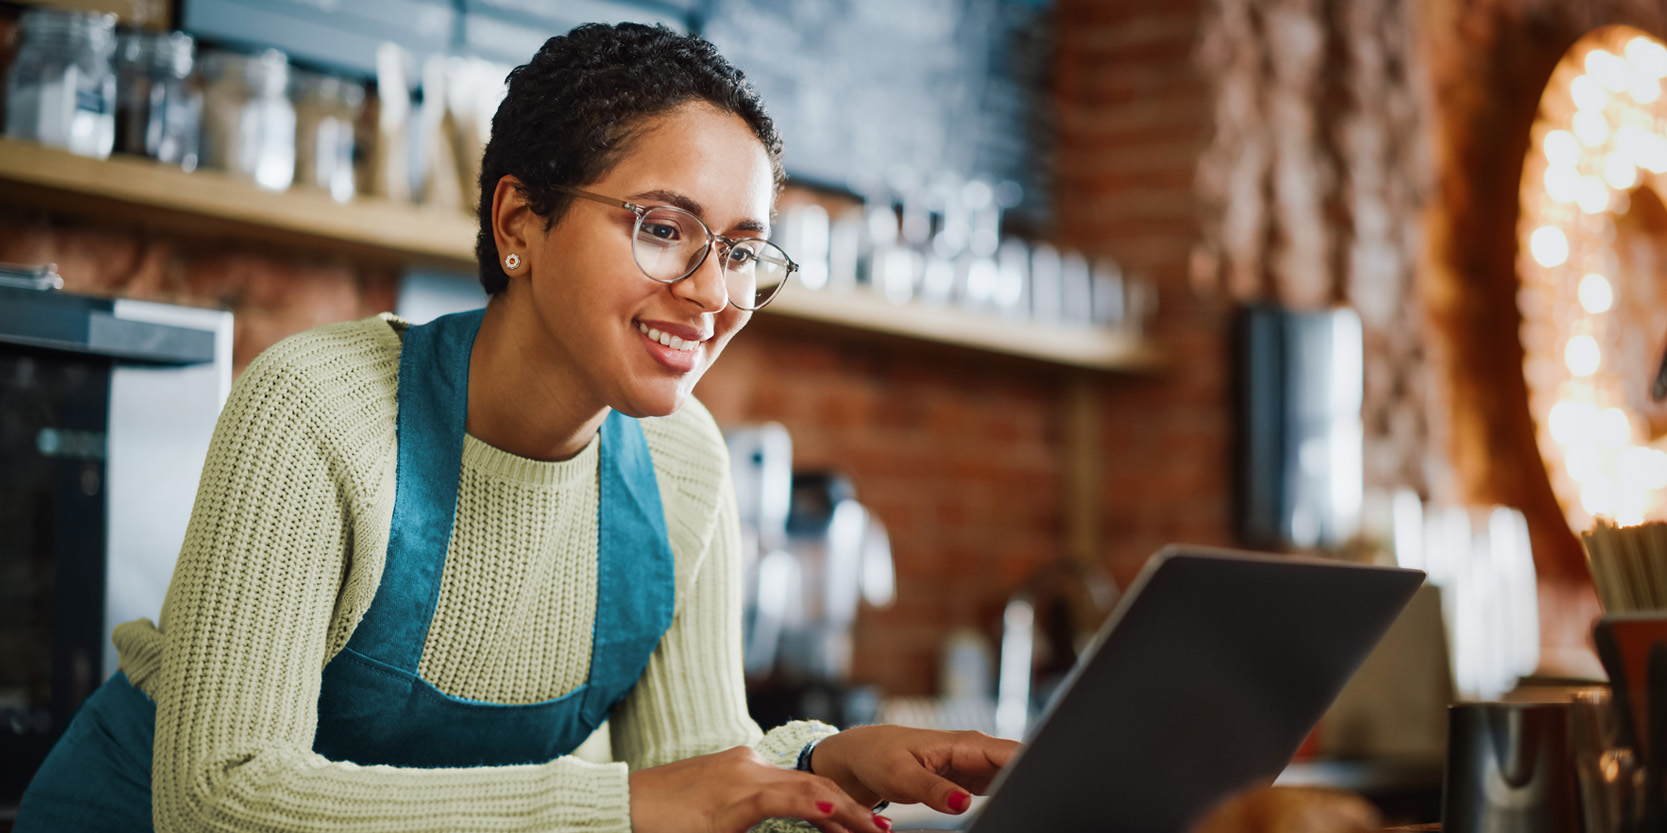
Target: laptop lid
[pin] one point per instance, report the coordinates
(1204, 680)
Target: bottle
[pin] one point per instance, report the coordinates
(61, 89)
(158, 107)
(248, 120)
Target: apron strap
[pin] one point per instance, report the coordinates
(636, 586)
(433, 406)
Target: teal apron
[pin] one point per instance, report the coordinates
(373, 707)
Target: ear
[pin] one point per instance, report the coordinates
(515, 228)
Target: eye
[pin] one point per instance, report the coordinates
(740, 257)
(668, 232)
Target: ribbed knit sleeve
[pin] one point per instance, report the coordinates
(272, 576)
(692, 699)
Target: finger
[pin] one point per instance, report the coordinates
(975, 752)
(917, 784)
(855, 816)
(799, 795)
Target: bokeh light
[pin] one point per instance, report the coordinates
(1595, 294)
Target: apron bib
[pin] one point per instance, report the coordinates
(373, 707)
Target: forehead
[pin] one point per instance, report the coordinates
(697, 151)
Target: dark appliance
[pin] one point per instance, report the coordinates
(1300, 463)
(106, 409)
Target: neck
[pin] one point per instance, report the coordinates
(523, 398)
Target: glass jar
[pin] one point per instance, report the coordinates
(327, 112)
(158, 107)
(61, 90)
(248, 120)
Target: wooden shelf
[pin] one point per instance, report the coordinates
(1094, 349)
(130, 189)
(139, 190)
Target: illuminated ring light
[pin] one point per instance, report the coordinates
(1601, 137)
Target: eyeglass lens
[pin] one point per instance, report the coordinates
(671, 244)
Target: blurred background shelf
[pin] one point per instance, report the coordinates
(140, 191)
(128, 189)
(1092, 349)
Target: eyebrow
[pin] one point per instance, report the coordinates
(689, 205)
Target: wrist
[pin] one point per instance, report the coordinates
(828, 756)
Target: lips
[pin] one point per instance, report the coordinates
(675, 346)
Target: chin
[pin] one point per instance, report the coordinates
(655, 404)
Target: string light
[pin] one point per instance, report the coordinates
(1583, 356)
(1592, 195)
(1619, 172)
(1590, 127)
(1549, 245)
(1561, 148)
(1595, 294)
(1612, 140)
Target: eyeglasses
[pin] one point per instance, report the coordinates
(669, 244)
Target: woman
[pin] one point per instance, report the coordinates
(426, 562)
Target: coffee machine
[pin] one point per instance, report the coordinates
(813, 556)
(106, 410)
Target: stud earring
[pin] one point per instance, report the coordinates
(513, 261)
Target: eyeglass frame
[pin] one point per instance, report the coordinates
(641, 211)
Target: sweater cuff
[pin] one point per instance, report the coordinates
(782, 745)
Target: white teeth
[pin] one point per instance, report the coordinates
(667, 339)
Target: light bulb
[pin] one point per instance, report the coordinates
(1648, 57)
(1562, 183)
(1619, 172)
(1608, 68)
(1590, 128)
(1583, 464)
(1588, 93)
(1595, 294)
(1593, 195)
(1614, 428)
(1645, 90)
(1561, 148)
(1632, 141)
(1582, 355)
(1652, 156)
(1572, 421)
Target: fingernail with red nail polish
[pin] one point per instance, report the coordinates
(959, 801)
(825, 806)
(882, 821)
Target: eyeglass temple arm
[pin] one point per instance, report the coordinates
(628, 206)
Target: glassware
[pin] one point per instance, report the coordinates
(1610, 776)
(159, 109)
(248, 120)
(61, 90)
(1509, 767)
(326, 113)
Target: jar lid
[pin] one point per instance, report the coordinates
(96, 31)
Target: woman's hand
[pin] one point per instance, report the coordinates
(912, 766)
(729, 792)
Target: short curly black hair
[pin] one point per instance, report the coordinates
(572, 111)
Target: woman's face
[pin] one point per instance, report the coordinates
(596, 306)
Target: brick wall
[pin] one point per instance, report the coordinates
(1134, 118)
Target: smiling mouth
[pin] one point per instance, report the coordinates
(667, 339)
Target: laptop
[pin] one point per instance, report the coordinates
(1204, 680)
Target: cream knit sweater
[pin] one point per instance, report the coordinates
(283, 556)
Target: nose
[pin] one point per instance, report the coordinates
(706, 287)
